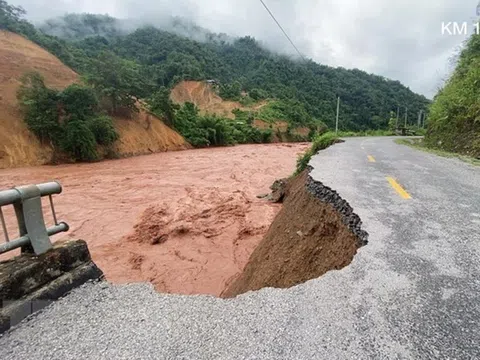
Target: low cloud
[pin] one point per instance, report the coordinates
(399, 40)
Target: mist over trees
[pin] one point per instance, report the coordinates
(126, 66)
(166, 58)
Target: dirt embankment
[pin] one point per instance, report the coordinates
(145, 133)
(19, 147)
(315, 232)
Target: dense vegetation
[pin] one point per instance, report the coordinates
(163, 58)
(243, 65)
(124, 68)
(69, 120)
(212, 130)
(454, 122)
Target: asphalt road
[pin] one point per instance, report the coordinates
(412, 293)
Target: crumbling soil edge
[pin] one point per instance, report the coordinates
(315, 232)
(330, 196)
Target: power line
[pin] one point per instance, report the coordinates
(281, 28)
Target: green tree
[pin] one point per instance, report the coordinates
(454, 116)
(103, 130)
(161, 58)
(162, 106)
(79, 101)
(68, 120)
(10, 16)
(231, 91)
(79, 141)
(258, 94)
(116, 79)
(39, 105)
(180, 66)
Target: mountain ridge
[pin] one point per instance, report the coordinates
(367, 99)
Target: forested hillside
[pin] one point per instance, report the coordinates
(155, 58)
(454, 122)
(48, 114)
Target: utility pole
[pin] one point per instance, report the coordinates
(398, 117)
(406, 117)
(338, 112)
(419, 120)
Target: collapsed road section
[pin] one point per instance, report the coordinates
(220, 240)
(316, 231)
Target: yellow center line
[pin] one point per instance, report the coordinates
(371, 158)
(398, 188)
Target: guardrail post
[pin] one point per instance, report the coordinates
(30, 219)
(34, 235)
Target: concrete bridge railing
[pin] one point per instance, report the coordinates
(33, 233)
(44, 272)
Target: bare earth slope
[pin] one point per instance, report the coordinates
(19, 147)
(207, 100)
(17, 55)
(202, 95)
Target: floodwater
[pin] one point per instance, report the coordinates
(185, 221)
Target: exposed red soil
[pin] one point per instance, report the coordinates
(307, 239)
(142, 134)
(186, 221)
(202, 95)
(18, 146)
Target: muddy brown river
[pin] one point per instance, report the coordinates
(185, 221)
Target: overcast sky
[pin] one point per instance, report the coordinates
(400, 40)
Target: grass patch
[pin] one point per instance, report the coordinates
(319, 143)
(419, 144)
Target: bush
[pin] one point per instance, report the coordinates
(247, 101)
(79, 101)
(162, 106)
(230, 91)
(319, 143)
(67, 119)
(245, 133)
(79, 141)
(218, 130)
(258, 94)
(39, 105)
(288, 110)
(211, 130)
(349, 134)
(103, 130)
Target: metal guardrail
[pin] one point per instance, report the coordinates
(34, 235)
